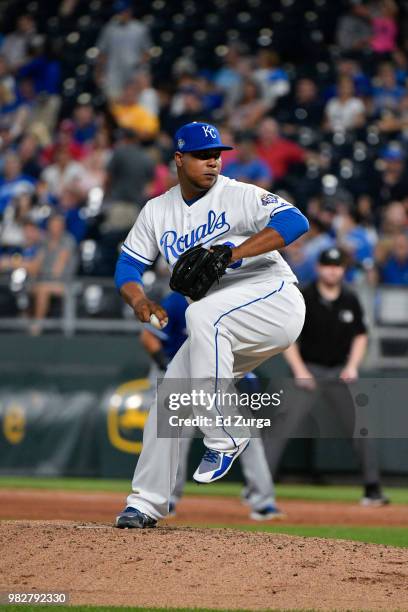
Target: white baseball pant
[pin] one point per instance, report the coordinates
(231, 331)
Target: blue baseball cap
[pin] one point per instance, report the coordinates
(392, 153)
(122, 5)
(198, 136)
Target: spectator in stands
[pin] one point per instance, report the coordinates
(303, 255)
(44, 200)
(13, 183)
(184, 84)
(42, 67)
(304, 109)
(99, 150)
(387, 93)
(71, 204)
(33, 239)
(354, 239)
(390, 182)
(93, 171)
(64, 172)
(400, 61)
(354, 31)
(383, 14)
(146, 94)
(351, 67)
(250, 109)
(227, 137)
(63, 139)
(270, 75)
(11, 227)
(16, 45)
(395, 121)
(84, 123)
(211, 96)
(30, 246)
(279, 153)
(129, 174)
(6, 78)
(345, 111)
(394, 220)
(40, 110)
(248, 167)
(54, 265)
(29, 153)
(26, 92)
(228, 77)
(123, 44)
(365, 210)
(13, 116)
(165, 175)
(189, 107)
(394, 270)
(131, 115)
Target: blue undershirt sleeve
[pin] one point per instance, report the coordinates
(128, 269)
(290, 224)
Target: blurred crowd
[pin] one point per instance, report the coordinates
(331, 137)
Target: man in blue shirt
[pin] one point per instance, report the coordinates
(13, 183)
(394, 271)
(247, 167)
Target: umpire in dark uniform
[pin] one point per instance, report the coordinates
(331, 347)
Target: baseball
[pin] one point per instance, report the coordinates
(156, 323)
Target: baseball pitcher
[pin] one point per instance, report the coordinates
(221, 239)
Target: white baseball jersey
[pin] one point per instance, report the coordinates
(230, 212)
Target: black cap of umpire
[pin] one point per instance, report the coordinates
(332, 257)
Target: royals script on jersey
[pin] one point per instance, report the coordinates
(228, 213)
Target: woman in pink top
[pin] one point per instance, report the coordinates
(383, 22)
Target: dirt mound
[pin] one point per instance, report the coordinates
(183, 566)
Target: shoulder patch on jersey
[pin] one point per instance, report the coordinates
(346, 316)
(269, 198)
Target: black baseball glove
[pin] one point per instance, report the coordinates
(198, 268)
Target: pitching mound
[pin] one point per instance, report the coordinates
(183, 566)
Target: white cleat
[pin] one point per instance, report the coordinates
(215, 464)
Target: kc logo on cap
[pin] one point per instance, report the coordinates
(198, 136)
(208, 129)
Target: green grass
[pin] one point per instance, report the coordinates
(389, 536)
(65, 484)
(228, 489)
(336, 493)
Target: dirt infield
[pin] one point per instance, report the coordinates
(62, 505)
(185, 566)
(182, 565)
